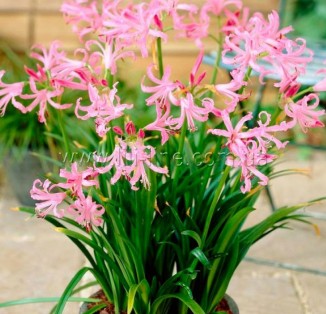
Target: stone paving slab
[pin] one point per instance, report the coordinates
(313, 288)
(35, 260)
(265, 293)
(260, 289)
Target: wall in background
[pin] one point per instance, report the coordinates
(24, 22)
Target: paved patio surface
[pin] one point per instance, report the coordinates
(36, 261)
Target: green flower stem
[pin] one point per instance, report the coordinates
(176, 169)
(214, 75)
(110, 79)
(245, 79)
(111, 140)
(64, 132)
(213, 205)
(257, 106)
(241, 90)
(218, 57)
(106, 147)
(182, 138)
(51, 144)
(111, 143)
(213, 37)
(305, 91)
(108, 75)
(161, 73)
(219, 41)
(213, 79)
(160, 57)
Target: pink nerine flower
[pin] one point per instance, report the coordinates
(248, 149)
(188, 23)
(73, 73)
(289, 86)
(162, 90)
(76, 180)
(130, 160)
(235, 20)
(47, 81)
(236, 137)
(160, 124)
(43, 97)
(229, 92)
(87, 212)
(115, 161)
(48, 57)
(264, 132)
(304, 114)
(195, 30)
(262, 40)
(8, 93)
(48, 200)
(251, 159)
(170, 7)
(192, 78)
(86, 16)
(105, 106)
(132, 25)
(190, 112)
(140, 156)
(108, 54)
(218, 6)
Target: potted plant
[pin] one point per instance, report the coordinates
(159, 207)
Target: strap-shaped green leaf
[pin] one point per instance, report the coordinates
(200, 255)
(144, 289)
(95, 308)
(194, 235)
(69, 289)
(44, 300)
(185, 299)
(98, 249)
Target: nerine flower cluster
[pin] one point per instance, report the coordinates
(116, 28)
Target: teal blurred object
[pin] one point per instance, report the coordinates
(308, 18)
(21, 173)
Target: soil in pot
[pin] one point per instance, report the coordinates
(109, 309)
(227, 305)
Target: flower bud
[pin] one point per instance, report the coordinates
(158, 22)
(117, 130)
(130, 128)
(141, 133)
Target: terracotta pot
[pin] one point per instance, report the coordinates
(227, 304)
(99, 295)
